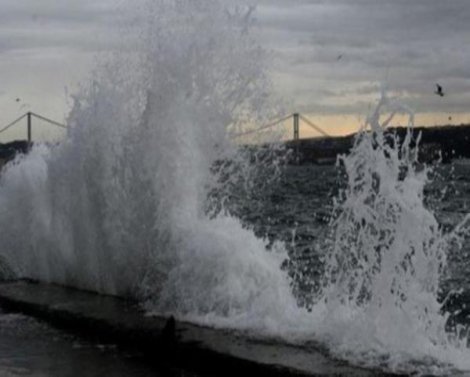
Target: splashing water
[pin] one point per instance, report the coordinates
(386, 258)
(121, 205)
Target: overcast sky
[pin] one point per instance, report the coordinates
(329, 56)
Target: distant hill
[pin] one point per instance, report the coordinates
(8, 151)
(449, 142)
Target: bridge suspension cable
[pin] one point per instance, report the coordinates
(314, 126)
(53, 122)
(275, 123)
(12, 123)
(269, 125)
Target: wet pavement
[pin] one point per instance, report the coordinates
(35, 348)
(29, 347)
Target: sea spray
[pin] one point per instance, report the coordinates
(386, 257)
(120, 206)
(385, 241)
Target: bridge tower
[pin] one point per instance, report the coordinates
(296, 126)
(28, 117)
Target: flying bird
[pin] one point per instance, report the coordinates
(17, 100)
(340, 56)
(439, 91)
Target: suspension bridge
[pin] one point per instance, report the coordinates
(296, 122)
(29, 123)
(297, 118)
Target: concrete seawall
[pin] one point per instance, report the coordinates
(165, 341)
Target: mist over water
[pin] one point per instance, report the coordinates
(126, 204)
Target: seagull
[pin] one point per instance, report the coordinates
(339, 57)
(439, 91)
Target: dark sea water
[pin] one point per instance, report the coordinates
(297, 210)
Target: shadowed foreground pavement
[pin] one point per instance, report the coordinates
(111, 319)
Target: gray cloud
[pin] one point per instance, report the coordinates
(411, 44)
(48, 45)
(329, 56)
(86, 24)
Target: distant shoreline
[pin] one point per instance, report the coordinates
(8, 151)
(439, 142)
(444, 143)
